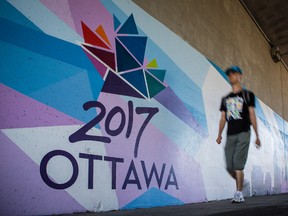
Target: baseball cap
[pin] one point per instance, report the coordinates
(233, 69)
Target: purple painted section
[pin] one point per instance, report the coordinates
(22, 191)
(61, 9)
(18, 111)
(152, 143)
(168, 99)
(81, 11)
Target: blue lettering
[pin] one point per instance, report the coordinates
(114, 169)
(131, 175)
(153, 170)
(43, 169)
(136, 181)
(171, 182)
(91, 159)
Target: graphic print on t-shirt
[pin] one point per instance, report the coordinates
(234, 108)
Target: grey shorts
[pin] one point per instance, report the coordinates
(236, 150)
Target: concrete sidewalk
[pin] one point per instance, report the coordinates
(261, 205)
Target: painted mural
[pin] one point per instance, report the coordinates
(104, 108)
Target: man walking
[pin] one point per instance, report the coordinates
(237, 108)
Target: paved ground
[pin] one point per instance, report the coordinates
(272, 205)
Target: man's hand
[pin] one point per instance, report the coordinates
(219, 139)
(254, 124)
(221, 126)
(258, 143)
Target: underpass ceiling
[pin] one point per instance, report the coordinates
(271, 16)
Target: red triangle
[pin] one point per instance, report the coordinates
(106, 57)
(91, 38)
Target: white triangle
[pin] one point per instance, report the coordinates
(37, 142)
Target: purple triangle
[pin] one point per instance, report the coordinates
(116, 85)
(168, 99)
(15, 114)
(23, 191)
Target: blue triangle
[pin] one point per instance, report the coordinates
(116, 22)
(153, 198)
(129, 27)
(159, 74)
(124, 59)
(260, 112)
(77, 95)
(136, 45)
(136, 78)
(8, 12)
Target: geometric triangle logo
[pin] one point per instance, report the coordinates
(122, 64)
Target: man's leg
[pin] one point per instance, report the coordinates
(229, 155)
(239, 161)
(232, 173)
(238, 196)
(239, 179)
(240, 158)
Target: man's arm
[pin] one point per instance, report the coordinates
(221, 126)
(254, 124)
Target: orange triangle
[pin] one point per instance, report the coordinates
(102, 34)
(91, 38)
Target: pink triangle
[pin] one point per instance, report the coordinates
(98, 65)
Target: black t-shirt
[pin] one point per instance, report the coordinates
(236, 108)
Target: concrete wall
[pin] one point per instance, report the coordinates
(105, 108)
(223, 31)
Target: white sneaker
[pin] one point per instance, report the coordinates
(238, 198)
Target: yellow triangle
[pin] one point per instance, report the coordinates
(100, 31)
(152, 64)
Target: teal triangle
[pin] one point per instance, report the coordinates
(116, 22)
(154, 85)
(153, 198)
(159, 74)
(124, 59)
(129, 27)
(136, 45)
(136, 78)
